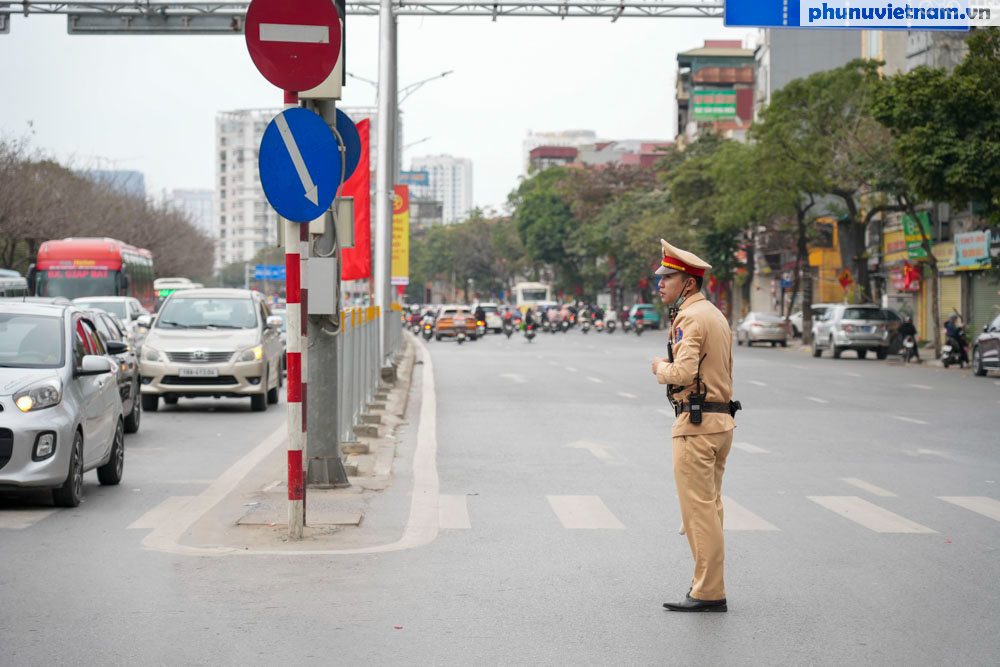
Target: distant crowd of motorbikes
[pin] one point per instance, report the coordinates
(456, 322)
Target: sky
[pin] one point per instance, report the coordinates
(149, 103)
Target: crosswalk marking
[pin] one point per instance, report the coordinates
(20, 519)
(584, 513)
(870, 488)
(869, 515)
(571, 369)
(514, 377)
(595, 380)
(921, 386)
(453, 513)
(750, 449)
(988, 507)
(737, 517)
(909, 420)
(593, 448)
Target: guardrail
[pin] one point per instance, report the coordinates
(359, 369)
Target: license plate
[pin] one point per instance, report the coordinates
(866, 329)
(199, 372)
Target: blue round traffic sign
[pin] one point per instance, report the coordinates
(352, 142)
(299, 165)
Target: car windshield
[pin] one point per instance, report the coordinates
(863, 314)
(767, 317)
(207, 313)
(489, 309)
(31, 341)
(117, 308)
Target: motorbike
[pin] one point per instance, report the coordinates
(553, 327)
(638, 326)
(909, 349)
(585, 327)
(428, 331)
(599, 325)
(952, 352)
(529, 331)
(508, 329)
(611, 326)
(480, 328)
(564, 327)
(626, 325)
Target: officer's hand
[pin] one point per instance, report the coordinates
(656, 362)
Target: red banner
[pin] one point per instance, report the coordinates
(357, 261)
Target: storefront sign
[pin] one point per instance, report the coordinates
(972, 250)
(945, 255)
(894, 247)
(713, 104)
(914, 240)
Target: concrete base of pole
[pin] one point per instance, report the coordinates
(326, 472)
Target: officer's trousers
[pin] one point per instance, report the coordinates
(699, 461)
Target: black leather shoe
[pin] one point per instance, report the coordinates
(691, 604)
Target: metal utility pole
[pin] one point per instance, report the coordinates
(385, 169)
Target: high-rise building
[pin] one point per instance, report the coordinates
(450, 182)
(198, 204)
(715, 89)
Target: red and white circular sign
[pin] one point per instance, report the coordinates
(295, 45)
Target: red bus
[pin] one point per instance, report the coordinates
(79, 267)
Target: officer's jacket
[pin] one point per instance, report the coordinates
(700, 329)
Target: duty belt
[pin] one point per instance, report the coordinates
(726, 408)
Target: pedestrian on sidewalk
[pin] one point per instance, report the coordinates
(699, 377)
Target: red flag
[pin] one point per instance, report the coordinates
(356, 262)
(911, 277)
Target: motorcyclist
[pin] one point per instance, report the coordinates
(480, 314)
(907, 329)
(955, 333)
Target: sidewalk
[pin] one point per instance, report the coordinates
(373, 510)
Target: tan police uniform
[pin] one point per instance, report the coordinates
(699, 450)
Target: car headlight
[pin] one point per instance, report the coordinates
(253, 354)
(39, 396)
(150, 354)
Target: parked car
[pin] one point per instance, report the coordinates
(494, 322)
(853, 327)
(212, 342)
(126, 308)
(795, 319)
(60, 410)
(762, 328)
(450, 318)
(986, 349)
(111, 329)
(650, 315)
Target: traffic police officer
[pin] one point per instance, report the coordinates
(699, 379)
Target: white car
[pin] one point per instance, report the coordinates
(494, 322)
(127, 309)
(795, 319)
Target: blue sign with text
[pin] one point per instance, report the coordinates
(853, 14)
(268, 272)
(299, 165)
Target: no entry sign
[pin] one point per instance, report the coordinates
(294, 44)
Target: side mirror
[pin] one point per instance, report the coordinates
(144, 321)
(274, 322)
(94, 364)
(116, 347)
(986, 328)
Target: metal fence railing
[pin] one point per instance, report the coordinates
(359, 368)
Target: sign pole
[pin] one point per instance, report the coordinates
(385, 170)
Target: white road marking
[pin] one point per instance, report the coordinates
(667, 413)
(909, 420)
(988, 507)
(20, 519)
(756, 382)
(869, 515)
(921, 386)
(273, 485)
(287, 32)
(513, 377)
(584, 513)
(571, 369)
(453, 513)
(737, 517)
(553, 363)
(625, 394)
(815, 399)
(593, 379)
(866, 486)
(162, 513)
(750, 449)
(597, 450)
(933, 452)
(853, 375)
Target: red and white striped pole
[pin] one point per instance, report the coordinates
(296, 296)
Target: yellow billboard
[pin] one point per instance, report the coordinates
(401, 236)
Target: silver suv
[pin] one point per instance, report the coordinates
(852, 327)
(212, 342)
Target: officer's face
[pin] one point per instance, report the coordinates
(671, 287)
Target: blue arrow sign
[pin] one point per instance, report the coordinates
(268, 272)
(299, 165)
(352, 142)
